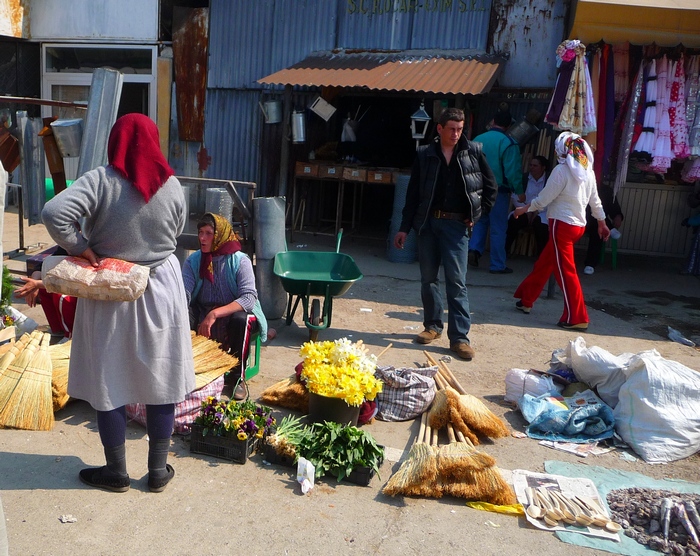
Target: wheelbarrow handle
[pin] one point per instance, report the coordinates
(337, 244)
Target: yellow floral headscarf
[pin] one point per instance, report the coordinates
(571, 149)
(225, 243)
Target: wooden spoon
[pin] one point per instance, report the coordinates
(610, 525)
(533, 510)
(567, 515)
(598, 519)
(580, 514)
(552, 517)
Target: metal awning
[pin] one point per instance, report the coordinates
(664, 22)
(453, 73)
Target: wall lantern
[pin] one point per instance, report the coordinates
(419, 123)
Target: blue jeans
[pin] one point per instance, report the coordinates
(445, 242)
(497, 223)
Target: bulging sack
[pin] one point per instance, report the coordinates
(407, 392)
(112, 280)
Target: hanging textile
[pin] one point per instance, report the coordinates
(594, 66)
(566, 61)
(628, 130)
(676, 112)
(663, 154)
(621, 57)
(577, 112)
(644, 147)
(692, 113)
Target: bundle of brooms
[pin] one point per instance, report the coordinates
(210, 362)
(25, 386)
(456, 469)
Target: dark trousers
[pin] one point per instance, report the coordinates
(595, 244)
(540, 229)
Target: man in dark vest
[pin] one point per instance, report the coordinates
(451, 186)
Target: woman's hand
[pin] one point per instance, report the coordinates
(603, 230)
(205, 326)
(89, 254)
(30, 290)
(519, 211)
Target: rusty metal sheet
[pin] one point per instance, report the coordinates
(14, 19)
(190, 48)
(449, 73)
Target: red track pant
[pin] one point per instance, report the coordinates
(59, 310)
(558, 258)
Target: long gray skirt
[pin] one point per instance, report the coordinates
(134, 352)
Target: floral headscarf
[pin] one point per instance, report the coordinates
(573, 151)
(225, 243)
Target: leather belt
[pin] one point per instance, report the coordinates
(449, 215)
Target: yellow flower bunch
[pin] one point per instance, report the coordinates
(340, 369)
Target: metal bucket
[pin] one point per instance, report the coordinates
(68, 134)
(298, 127)
(272, 110)
(522, 131)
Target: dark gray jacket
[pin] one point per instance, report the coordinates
(479, 183)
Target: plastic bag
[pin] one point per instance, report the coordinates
(407, 392)
(658, 413)
(520, 382)
(305, 474)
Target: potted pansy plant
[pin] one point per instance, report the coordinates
(230, 429)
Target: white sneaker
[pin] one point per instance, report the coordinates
(588, 270)
(615, 233)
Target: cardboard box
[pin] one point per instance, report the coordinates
(351, 173)
(380, 175)
(330, 171)
(308, 169)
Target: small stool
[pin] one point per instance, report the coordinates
(613, 252)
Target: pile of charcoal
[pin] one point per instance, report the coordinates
(662, 520)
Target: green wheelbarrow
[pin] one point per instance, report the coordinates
(312, 275)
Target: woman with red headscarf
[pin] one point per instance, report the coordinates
(138, 351)
(220, 288)
(570, 188)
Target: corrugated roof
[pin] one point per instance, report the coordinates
(452, 73)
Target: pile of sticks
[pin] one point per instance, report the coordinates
(456, 469)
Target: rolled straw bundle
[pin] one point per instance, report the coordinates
(11, 376)
(60, 359)
(480, 418)
(455, 458)
(30, 407)
(289, 393)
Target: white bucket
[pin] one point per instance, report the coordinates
(298, 127)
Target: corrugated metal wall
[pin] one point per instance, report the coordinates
(250, 39)
(530, 31)
(653, 215)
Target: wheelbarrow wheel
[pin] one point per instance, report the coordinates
(315, 318)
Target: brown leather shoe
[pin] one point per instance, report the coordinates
(427, 336)
(463, 350)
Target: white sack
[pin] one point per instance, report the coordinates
(598, 368)
(658, 413)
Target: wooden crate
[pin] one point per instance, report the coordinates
(308, 169)
(330, 171)
(380, 175)
(351, 173)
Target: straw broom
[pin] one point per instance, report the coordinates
(60, 359)
(289, 393)
(209, 357)
(418, 472)
(11, 375)
(30, 407)
(14, 350)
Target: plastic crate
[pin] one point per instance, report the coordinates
(224, 447)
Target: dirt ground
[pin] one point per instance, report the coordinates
(214, 507)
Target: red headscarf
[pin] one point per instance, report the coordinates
(225, 243)
(134, 151)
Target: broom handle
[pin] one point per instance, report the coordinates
(384, 350)
(423, 424)
(434, 437)
(428, 433)
(464, 439)
(446, 373)
(451, 433)
(440, 381)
